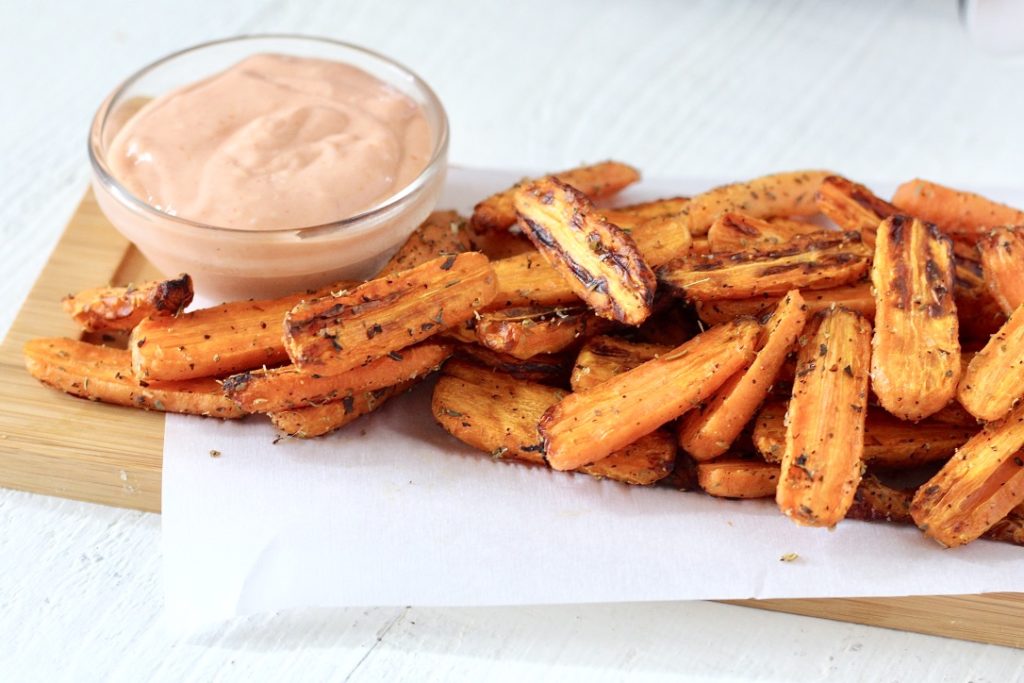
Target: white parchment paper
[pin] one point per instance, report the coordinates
(393, 511)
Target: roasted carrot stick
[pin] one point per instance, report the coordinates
(549, 368)
(526, 332)
(852, 206)
(214, 342)
(99, 373)
(442, 234)
(598, 181)
(600, 262)
(994, 380)
(818, 261)
(289, 388)
(856, 297)
(313, 421)
(709, 432)
(585, 427)
(634, 214)
(915, 361)
(978, 487)
(822, 461)
(338, 333)
(954, 211)
(889, 443)
(1002, 260)
(498, 414)
(735, 231)
(602, 358)
(780, 194)
(122, 308)
(738, 478)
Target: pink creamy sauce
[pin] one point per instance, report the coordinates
(273, 142)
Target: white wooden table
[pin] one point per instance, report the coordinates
(877, 90)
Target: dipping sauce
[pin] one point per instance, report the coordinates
(273, 142)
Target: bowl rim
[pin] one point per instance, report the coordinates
(125, 196)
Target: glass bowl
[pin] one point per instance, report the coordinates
(232, 263)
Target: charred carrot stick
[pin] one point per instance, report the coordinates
(498, 414)
(601, 263)
(972, 294)
(915, 362)
(822, 460)
(289, 388)
(852, 206)
(818, 261)
(527, 332)
(979, 486)
(99, 373)
(585, 427)
(954, 211)
(994, 380)
(602, 358)
(1002, 261)
(738, 478)
(709, 432)
(334, 334)
(631, 216)
(122, 308)
(598, 181)
(780, 194)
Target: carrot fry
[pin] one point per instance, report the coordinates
(662, 238)
(737, 478)
(383, 316)
(852, 206)
(585, 427)
(1002, 261)
(954, 211)
(498, 414)
(821, 463)
(994, 379)
(709, 432)
(735, 231)
(100, 373)
(915, 361)
(889, 443)
(631, 216)
(122, 308)
(214, 342)
(971, 293)
(529, 280)
(602, 358)
(526, 332)
(442, 234)
(548, 368)
(501, 244)
(313, 421)
(876, 502)
(598, 181)
(780, 194)
(818, 261)
(979, 486)
(856, 297)
(289, 388)
(600, 262)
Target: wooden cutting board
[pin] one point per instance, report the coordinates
(62, 446)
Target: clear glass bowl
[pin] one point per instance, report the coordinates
(231, 263)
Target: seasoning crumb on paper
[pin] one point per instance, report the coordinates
(214, 454)
(789, 557)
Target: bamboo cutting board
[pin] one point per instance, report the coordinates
(63, 446)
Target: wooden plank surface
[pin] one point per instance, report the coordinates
(63, 446)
